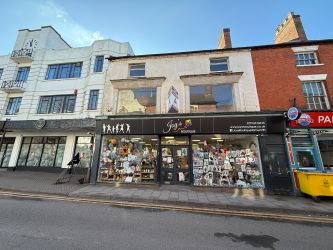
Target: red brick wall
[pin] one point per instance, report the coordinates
(277, 76)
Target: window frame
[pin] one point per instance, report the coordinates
(73, 70)
(66, 104)
(306, 53)
(216, 59)
(130, 70)
(93, 99)
(15, 102)
(99, 63)
(308, 105)
(22, 74)
(1, 72)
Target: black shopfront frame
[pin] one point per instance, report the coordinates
(254, 123)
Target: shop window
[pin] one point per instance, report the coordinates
(93, 99)
(83, 146)
(308, 58)
(315, 95)
(326, 152)
(136, 70)
(63, 71)
(212, 98)
(218, 64)
(137, 101)
(22, 74)
(13, 105)
(99, 64)
(305, 159)
(130, 159)
(6, 151)
(56, 104)
(42, 151)
(226, 161)
(1, 71)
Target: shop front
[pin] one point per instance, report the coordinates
(311, 141)
(209, 151)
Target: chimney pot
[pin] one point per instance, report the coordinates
(225, 39)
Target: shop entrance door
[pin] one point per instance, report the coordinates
(175, 160)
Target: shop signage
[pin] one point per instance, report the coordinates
(193, 125)
(314, 120)
(179, 126)
(293, 113)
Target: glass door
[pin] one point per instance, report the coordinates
(175, 160)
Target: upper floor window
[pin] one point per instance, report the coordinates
(22, 74)
(137, 70)
(13, 105)
(218, 64)
(1, 71)
(61, 71)
(315, 95)
(137, 101)
(99, 64)
(93, 99)
(56, 104)
(308, 58)
(212, 98)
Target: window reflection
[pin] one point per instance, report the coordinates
(137, 101)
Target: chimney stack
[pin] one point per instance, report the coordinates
(225, 40)
(290, 30)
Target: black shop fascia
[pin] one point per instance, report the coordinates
(202, 150)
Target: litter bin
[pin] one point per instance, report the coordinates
(315, 183)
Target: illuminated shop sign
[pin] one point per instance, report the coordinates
(314, 120)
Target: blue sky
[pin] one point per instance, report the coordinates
(153, 26)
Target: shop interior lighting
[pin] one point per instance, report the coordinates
(216, 138)
(220, 140)
(153, 139)
(195, 140)
(137, 138)
(169, 137)
(142, 142)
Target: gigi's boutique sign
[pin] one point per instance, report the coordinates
(313, 120)
(193, 125)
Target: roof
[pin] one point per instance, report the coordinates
(257, 47)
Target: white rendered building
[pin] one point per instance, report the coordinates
(50, 94)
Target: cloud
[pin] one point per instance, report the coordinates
(73, 32)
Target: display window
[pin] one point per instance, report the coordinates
(128, 159)
(6, 151)
(326, 151)
(42, 151)
(83, 146)
(226, 161)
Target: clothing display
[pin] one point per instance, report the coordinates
(231, 165)
(128, 159)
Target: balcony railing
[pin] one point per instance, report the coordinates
(12, 86)
(22, 55)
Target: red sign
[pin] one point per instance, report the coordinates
(314, 120)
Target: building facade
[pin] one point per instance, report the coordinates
(298, 73)
(184, 118)
(49, 96)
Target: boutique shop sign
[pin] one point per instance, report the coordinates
(193, 125)
(314, 120)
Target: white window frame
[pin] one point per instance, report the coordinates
(219, 58)
(324, 92)
(136, 64)
(303, 53)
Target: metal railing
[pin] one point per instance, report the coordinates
(22, 53)
(12, 84)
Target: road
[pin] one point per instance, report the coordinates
(43, 224)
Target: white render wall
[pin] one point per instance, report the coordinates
(173, 66)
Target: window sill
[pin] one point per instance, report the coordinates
(57, 114)
(98, 72)
(311, 65)
(221, 71)
(62, 79)
(13, 115)
(135, 77)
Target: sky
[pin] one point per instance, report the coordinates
(156, 26)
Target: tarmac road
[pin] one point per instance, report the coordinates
(46, 224)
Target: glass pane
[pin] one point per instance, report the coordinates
(2, 151)
(62, 140)
(219, 67)
(23, 155)
(37, 140)
(34, 155)
(6, 159)
(60, 155)
(137, 101)
(85, 154)
(48, 155)
(305, 159)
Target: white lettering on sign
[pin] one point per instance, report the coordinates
(325, 119)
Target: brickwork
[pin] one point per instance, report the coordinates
(225, 40)
(277, 76)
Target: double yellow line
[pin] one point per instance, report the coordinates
(200, 210)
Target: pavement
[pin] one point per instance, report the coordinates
(232, 199)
